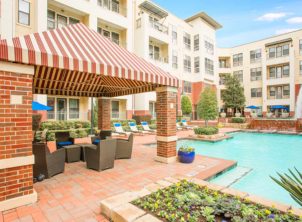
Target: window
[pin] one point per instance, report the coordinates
(196, 42)
(301, 67)
(238, 59)
(209, 66)
(51, 19)
(154, 52)
(209, 47)
(279, 72)
(115, 37)
(285, 72)
(196, 64)
(223, 63)
(174, 34)
(187, 63)
(272, 52)
(115, 109)
(187, 40)
(256, 74)
(62, 21)
(152, 109)
(300, 46)
(272, 72)
(255, 55)
(279, 51)
(285, 50)
(73, 21)
(106, 34)
(286, 91)
(115, 6)
(272, 91)
(51, 103)
(24, 12)
(256, 92)
(174, 59)
(187, 87)
(239, 75)
(74, 109)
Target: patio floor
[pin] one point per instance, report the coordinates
(76, 194)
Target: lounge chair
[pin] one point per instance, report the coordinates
(124, 148)
(146, 127)
(185, 124)
(102, 156)
(134, 129)
(46, 163)
(119, 129)
(63, 139)
(179, 126)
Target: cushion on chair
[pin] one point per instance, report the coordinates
(65, 143)
(96, 141)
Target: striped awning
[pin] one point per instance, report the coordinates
(76, 60)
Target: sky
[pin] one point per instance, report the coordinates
(243, 21)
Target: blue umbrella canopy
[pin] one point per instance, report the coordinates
(252, 107)
(279, 107)
(38, 106)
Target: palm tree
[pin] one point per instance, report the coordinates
(291, 183)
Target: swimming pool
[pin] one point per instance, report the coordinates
(262, 154)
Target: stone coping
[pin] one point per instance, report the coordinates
(209, 138)
(119, 208)
(272, 132)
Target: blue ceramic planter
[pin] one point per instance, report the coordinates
(185, 157)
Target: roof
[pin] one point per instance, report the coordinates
(279, 42)
(205, 17)
(154, 9)
(76, 60)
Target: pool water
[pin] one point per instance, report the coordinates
(263, 154)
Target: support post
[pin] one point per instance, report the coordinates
(104, 113)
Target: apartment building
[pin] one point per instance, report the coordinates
(184, 48)
(270, 71)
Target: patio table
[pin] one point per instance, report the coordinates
(73, 153)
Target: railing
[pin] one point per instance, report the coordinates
(159, 27)
(224, 66)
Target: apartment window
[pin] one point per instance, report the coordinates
(187, 63)
(187, 87)
(73, 21)
(272, 52)
(154, 52)
(62, 21)
(255, 55)
(279, 72)
(106, 34)
(286, 91)
(196, 42)
(74, 108)
(51, 103)
(239, 75)
(174, 59)
(196, 64)
(174, 34)
(115, 109)
(279, 51)
(285, 72)
(256, 74)
(187, 40)
(24, 12)
(152, 109)
(256, 92)
(238, 59)
(51, 19)
(301, 67)
(209, 66)
(209, 47)
(115, 37)
(285, 50)
(300, 46)
(272, 72)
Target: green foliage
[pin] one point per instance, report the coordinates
(64, 125)
(143, 118)
(187, 149)
(209, 130)
(207, 107)
(78, 133)
(95, 113)
(189, 202)
(36, 121)
(186, 105)
(238, 120)
(123, 122)
(291, 183)
(233, 95)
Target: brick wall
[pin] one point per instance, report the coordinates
(166, 122)
(299, 125)
(104, 114)
(15, 133)
(273, 124)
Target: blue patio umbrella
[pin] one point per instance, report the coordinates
(38, 106)
(252, 107)
(279, 107)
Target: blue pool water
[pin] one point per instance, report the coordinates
(264, 154)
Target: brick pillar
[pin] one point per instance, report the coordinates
(16, 159)
(104, 114)
(166, 124)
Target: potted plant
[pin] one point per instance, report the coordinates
(222, 114)
(238, 114)
(285, 114)
(186, 154)
(269, 115)
(254, 114)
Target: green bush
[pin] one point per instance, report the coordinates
(123, 122)
(64, 125)
(238, 120)
(210, 130)
(153, 122)
(186, 105)
(144, 118)
(36, 121)
(152, 126)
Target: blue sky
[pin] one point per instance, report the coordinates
(243, 20)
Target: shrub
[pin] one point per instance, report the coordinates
(186, 105)
(238, 120)
(64, 125)
(210, 130)
(207, 108)
(144, 118)
(36, 121)
(153, 122)
(152, 126)
(187, 149)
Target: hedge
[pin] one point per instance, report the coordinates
(64, 125)
(210, 130)
(238, 120)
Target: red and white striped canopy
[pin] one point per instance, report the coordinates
(78, 50)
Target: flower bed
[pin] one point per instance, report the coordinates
(186, 201)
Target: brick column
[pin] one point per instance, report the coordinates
(104, 114)
(16, 159)
(166, 124)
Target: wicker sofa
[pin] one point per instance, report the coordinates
(46, 163)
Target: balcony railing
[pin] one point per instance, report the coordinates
(159, 27)
(160, 59)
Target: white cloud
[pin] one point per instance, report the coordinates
(271, 16)
(282, 31)
(294, 20)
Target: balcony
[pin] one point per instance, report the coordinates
(113, 6)
(159, 27)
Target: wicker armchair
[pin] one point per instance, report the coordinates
(124, 148)
(46, 163)
(63, 139)
(102, 157)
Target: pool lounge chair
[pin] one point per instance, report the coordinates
(185, 124)
(134, 129)
(179, 126)
(146, 127)
(119, 129)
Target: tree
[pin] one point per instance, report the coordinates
(233, 95)
(186, 105)
(207, 107)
